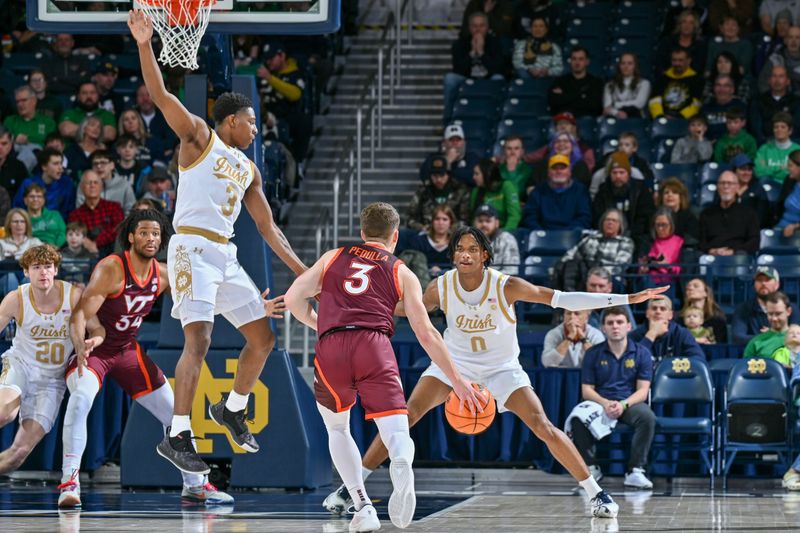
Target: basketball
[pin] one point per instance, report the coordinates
(470, 423)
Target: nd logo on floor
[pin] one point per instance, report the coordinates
(209, 390)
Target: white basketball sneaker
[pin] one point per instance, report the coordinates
(70, 496)
(338, 501)
(403, 501)
(637, 480)
(366, 519)
(604, 506)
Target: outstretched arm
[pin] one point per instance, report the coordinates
(106, 279)
(258, 207)
(519, 290)
(189, 128)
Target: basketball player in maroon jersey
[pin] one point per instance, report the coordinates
(359, 288)
(121, 292)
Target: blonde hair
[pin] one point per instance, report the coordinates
(686, 311)
(24, 214)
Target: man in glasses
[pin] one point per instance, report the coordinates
(728, 227)
(115, 187)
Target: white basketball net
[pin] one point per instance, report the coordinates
(181, 25)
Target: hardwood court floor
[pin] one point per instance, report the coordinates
(450, 500)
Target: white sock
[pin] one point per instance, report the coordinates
(345, 455)
(160, 403)
(179, 424)
(365, 472)
(236, 402)
(590, 486)
(82, 392)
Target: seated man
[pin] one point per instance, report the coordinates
(728, 227)
(559, 203)
(750, 318)
(678, 90)
(598, 279)
(115, 187)
(439, 189)
(101, 217)
(460, 160)
(29, 127)
(577, 92)
(616, 374)
(87, 103)
(59, 193)
(766, 343)
(566, 344)
(505, 248)
(662, 336)
(46, 225)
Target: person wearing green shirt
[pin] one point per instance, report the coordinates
(87, 103)
(767, 343)
(736, 140)
(491, 189)
(771, 157)
(514, 169)
(28, 125)
(46, 225)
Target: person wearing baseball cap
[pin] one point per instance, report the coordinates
(439, 189)
(751, 192)
(632, 197)
(460, 161)
(105, 77)
(565, 122)
(505, 249)
(559, 203)
(750, 317)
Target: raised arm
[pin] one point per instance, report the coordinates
(431, 340)
(519, 290)
(258, 207)
(107, 279)
(188, 127)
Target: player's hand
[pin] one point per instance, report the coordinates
(92, 343)
(647, 294)
(141, 26)
(274, 307)
(83, 355)
(470, 399)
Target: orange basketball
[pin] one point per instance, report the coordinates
(470, 423)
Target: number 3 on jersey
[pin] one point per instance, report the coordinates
(358, 282)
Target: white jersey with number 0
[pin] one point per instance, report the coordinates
(211, 189)
(42, 340)
(481, 326)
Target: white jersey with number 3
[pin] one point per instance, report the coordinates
(481, 326)
(42, 340)
(211, 189)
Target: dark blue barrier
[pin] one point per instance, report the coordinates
(294, 450)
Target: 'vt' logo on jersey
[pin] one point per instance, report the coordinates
(134, 305)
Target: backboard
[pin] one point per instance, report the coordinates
(276, 17)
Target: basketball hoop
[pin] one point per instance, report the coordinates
(181, 25)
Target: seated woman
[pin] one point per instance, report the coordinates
(698, 294)
(18, 235)
(626, 94)
(491, 188)
(673, 194)
(608, 247)
(90, 139)
(788, 208)
(433, 243)
(564, 144)
(537, 56)
(726, 63)
(661, 262)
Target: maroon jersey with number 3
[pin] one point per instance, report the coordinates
(360, 288)
(122, 313)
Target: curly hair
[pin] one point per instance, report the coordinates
(480, 238)
(229, 104)
(45, 254)
(128, 226)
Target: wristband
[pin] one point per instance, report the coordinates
(624, 405)
(579, 301)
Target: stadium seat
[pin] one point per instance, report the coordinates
(684, 172)
(528, 108)
(589, 10)
(669, 128)
(21, 63)
(587, 130)
(662, 151)
(538, 269)
(529, 87)
(632, 28)
(471, 88)
(773, 242)
(772, 188)
(707, 194)
(710, 171)
(729, 277)
(477, 127)
(479, 107)
(529, 129)
(586, 27)
(613, 127)
(757, 412)
(127, 85)
(552, 242)
(637, 9)
(684, 380)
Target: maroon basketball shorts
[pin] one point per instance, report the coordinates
(359, 362)
(129, 367)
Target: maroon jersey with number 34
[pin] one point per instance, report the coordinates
(360, 288)
(122, 313)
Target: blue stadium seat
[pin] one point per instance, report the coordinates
(479, 107)
(482, 146)
(528, 129)
(662, 151)
(684, 172)
(589, 10)
(587, 130)
(773, 242)
(528, 108)
(537, 269)
(128, 64)
(127, 85)
(772, 188)
(9, 81)
(729, 277)
(710, 171)
(471, 88)
(21, 63)
(707, 194)
(552, 242)
(672, 128)
(586, 27)
(757, 412)
(684, 380)
(477, 127)
(529, 87)
(632, 28)
(637, 9)
(612, 127)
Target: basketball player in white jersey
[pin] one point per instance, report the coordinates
(32, 380)
(481, 336)
(215, 177)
